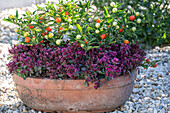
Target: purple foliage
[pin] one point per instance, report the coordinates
(73, 62)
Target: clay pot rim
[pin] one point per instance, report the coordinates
(38, 78)
(45, 78)
(51, 84)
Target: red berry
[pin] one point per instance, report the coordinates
(40, 21)
(79, 45)
(85, 41)
(147, 60)
(66, 13)
(103, 36)
(132, 18)
(42, 41)
(61, 28)
(31, 27)
(99, 42)
(107, 34)
(121, 30)
(59, 8)
(155, 65)
(48, 29)
(75, 6)
(98, 20)
(68, 17)
(43, 34)
(123, 26)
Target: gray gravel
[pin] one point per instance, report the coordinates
(150, 93)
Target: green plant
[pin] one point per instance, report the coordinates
(154, 15)
(49, 24)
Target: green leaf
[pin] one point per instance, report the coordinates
(90, 28)
(10, 57)
(40, 8)
(17, 13)
(34, 12)
(18, 37)
(164, 36)
(106, 12)
(8, 20)
(90, 47)
(88, 5)
(109, 21)
(119, 5)
(79, 28)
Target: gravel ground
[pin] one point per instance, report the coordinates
(150, 93)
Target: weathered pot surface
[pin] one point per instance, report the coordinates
(72, 95)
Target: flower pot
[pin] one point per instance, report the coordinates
(72, 95)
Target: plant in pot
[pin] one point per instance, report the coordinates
(152, 15)
(63, 50)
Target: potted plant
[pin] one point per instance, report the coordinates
(63, 50)
(152, 18)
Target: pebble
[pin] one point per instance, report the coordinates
(155, 111)
(149, 95)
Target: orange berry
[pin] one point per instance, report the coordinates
(58, 20)
(33, 37)
(42, 41)
(103, 36)
(98, 20)
(126, 42)
(43, 34)
(41, 18)
(27, 39)
(85, 41)
(79, 44)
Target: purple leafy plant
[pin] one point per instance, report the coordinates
(72, 62)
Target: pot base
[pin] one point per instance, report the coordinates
(67, 96)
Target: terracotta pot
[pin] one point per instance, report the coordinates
(72, 95)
